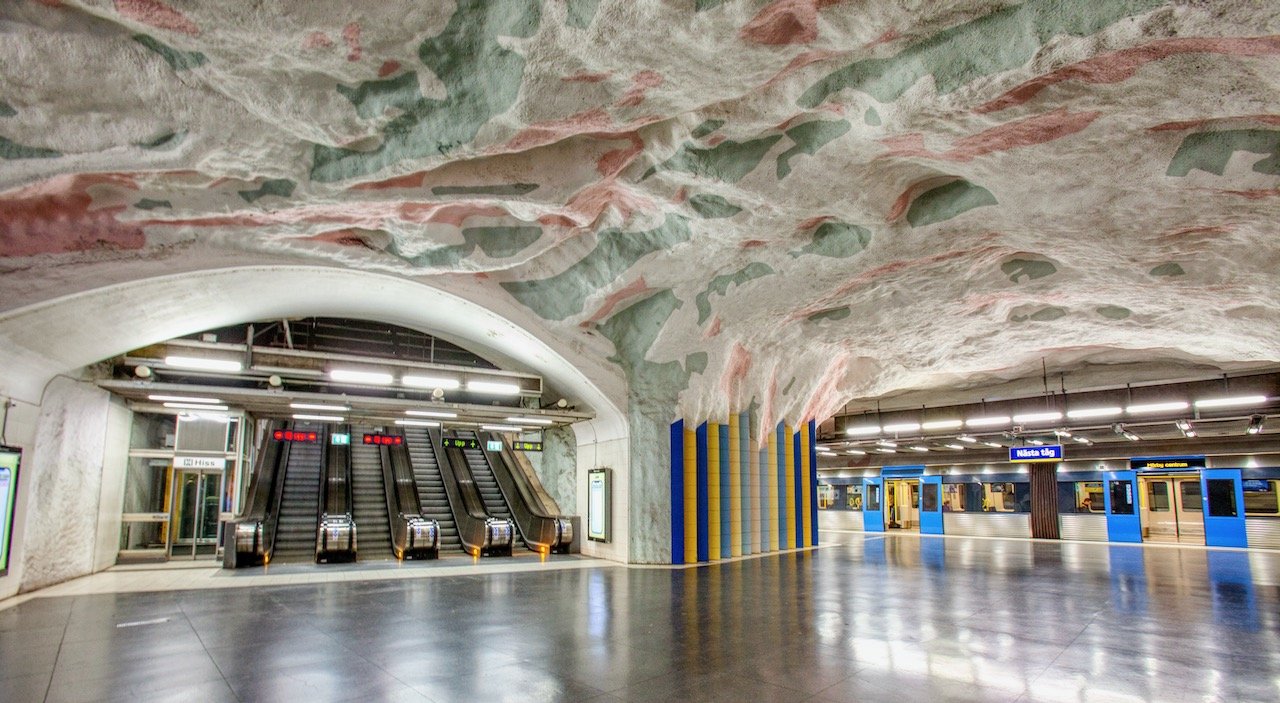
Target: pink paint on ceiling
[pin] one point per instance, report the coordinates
(641, 83)
(802, 60)
(633, 289)
(736, 368)
(587, 77)
(351, 35)
(714, 328)
(317, 40)
(157, 14)
(827, 396)
(785, 22)
(387, 68)
(1121, 65)
(1031, 131)
(57, 216)
(1183, 125)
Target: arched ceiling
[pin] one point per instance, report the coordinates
(791, 203)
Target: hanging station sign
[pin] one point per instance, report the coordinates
(1023, 455)
(1167, 463)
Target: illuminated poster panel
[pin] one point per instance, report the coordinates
(9, 459)
(599, 504)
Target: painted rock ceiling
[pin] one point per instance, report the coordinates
(791, 203)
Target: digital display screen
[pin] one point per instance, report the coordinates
(460, 443)
(10, 457)
(1255, 485)
(1167, 463)
(292, 436)
(384, 440)
(527, 446)
(339, 438)
(599, 504)
(493, 445)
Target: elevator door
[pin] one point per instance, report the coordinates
(194, 523)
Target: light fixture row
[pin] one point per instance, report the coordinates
(359, 376)
(177, 402)
(1055, 416)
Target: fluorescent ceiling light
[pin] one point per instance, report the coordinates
(902, 427)
(373, 378)
(1131, 436)
(1094, 412)
(887, 451)
(319, 418)
(1083, 440)
(1036, 442)
(1038, 417)
(194, 406)
(417, 423)
(493, 387)
(502, 428)
(954, 446)
(319, 406)
(1157, 407)
(863, 430)
(886, 443)
(1231, 402)
(942, 424)
(181, 399)
(431, 382)
(855, 452)
(967, 438)
(1183, 425)
(1189, 433)
(1062, 433)
(918, 448)
(202, 363)
(987, 421)
(214, 417)
(994, 444)
(531, 420)
(432, 413)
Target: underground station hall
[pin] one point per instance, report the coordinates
(640, 350)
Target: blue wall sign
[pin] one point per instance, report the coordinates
(1048, 452)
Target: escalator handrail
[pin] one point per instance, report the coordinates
(271, 521)
(537, 528)
(468, 509)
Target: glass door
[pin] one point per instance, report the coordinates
(194, 522)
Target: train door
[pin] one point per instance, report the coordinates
(902, 498)
(872, 510)
(1121, 497)
(1223, 508)
(1190, 509)
(931, 505)
(1159, 518)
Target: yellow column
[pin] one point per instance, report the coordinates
(713, 490)
(774, 544)
(690, 495)
(790, 530)
(735, 486)
(806, 487)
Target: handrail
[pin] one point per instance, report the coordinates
(271, 523)
(247, 533)
(542, 531)
(480, 533)
(335, 527)
(412, 536)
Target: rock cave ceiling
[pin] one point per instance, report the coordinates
(788, 203)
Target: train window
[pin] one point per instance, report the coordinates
(873, 496)
(929, 498)
(1121, 497)
(953, 498)
(1191, 496)
(1080, 497)
(854, 497)
(1158, 496)
(1261, 498)
(826, 496)
(1222, 497)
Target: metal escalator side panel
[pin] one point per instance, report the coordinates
(245, 543)
(541, 530)
(335, 536)
(473, 522)
(413, 536)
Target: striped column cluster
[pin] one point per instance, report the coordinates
(734, 493)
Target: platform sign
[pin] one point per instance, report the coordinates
(199, 462)
(10, 457)
(599, 504)
(1048, 452)
(460, 443)
(1167, 463)
(522, 446)
(339, 438)
(493, 445)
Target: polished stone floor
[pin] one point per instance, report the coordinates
(866, 618)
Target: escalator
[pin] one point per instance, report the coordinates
(432, 499)
(507, 494)
(478, 532)
(494, 503)
(294, 533)
(369, 499)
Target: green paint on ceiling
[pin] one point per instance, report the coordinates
(164, 140)
(713, 206)
(633, 330)
(809, 138)
(1114, 312)
(502, 189)
(6, 110)
(501, 242)
(149, 204)
(1210, 151)
(1046, 314)
(374, 98)
(837, 240)
(280, 187)
(564, 294)
(1169, 269)
(1003, 40)
(482, 79)
(945, 202)
(177, 59)
(790, 385)
(581, 12)
(707, 127)
(832, 314)
(720, 285)
(872, 117)
(696, 362)
(14, 151)
(700, 5)
(727, 161)
(1031, 268)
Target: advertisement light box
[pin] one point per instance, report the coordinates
(10, 458)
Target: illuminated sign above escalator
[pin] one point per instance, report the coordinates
(384, 440)
(527, 446)
(460, 443)
(291, 436)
